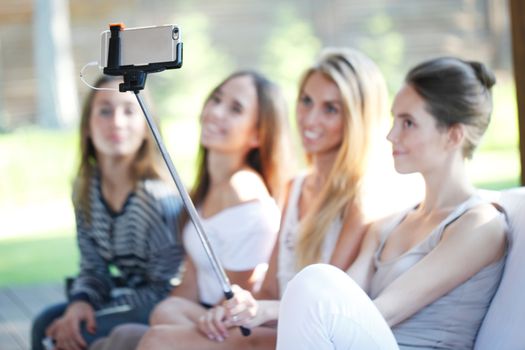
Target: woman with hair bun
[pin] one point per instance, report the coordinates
(424, 278)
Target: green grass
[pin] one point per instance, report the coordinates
(36, 165)
(48, 258)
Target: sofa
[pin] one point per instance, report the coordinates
(504, 324)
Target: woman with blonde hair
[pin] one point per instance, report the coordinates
(341, 99)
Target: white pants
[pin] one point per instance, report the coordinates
(323, 308)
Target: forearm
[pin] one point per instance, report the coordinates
(269, 312)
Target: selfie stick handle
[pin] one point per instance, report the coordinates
(192, 212)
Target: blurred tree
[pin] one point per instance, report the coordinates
(386, 47)
(291, 48)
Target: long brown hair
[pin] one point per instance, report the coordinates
(147, 163)
(364, 98)
(272, 125)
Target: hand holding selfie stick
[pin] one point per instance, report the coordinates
(134, 80)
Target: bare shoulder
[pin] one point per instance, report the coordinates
(484, 212)
(246, 185)
(481, 228)
(484, 221)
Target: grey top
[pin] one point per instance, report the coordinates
(452, 321)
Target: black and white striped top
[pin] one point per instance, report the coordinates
(142, 242)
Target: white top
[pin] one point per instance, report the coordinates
(286, 268)
(241, 237)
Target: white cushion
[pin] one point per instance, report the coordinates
(503, 325)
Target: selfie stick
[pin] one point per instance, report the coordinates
(134, 80)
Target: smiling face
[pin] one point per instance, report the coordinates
(229, 117)
(320, 115)
(418, 145)
(116, 125)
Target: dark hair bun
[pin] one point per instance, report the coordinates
(484, 75)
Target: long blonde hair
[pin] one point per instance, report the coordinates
(147, 163)
(364, 99)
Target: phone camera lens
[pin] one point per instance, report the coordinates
(175, 33)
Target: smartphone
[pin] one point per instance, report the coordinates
(146, 46)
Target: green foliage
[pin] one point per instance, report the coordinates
(36, 164)
(292, 48)
(386, 47)
(502, 133)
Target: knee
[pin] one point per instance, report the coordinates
(324, 272)
(164, 312)
(314, 277)
(123, 331)
(321, 282)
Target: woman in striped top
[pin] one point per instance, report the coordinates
(127, 221)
